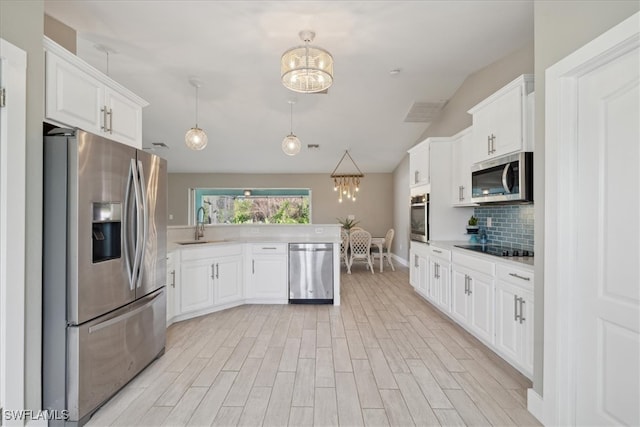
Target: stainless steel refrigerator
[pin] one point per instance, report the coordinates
(104, 268)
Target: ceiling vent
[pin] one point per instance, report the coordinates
(159, 145)
(313, 147)
(424, 112)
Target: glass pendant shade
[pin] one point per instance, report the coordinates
(291, 145)
(306, 69)
(196, 139)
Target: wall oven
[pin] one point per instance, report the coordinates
(507, 179)
(420, 218)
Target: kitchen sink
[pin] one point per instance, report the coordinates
(199, 242)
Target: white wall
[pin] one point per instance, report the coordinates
(560, 27)
(401, 221)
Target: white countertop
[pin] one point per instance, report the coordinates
(521, 262)
(172, 246)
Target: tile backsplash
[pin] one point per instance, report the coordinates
(511, 225)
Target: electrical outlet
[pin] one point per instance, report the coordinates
(170, 217)
(351, 217)
(489, 222)
(319, 230)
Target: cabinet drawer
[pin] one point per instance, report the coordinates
(210, 252)
(515, 276)
(443, 254)
(474, 263)
(269, 248)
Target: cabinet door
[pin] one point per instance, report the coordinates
(269, 277)
(423, 273)
(227, 286)
(433, 282)
(461, 170)
(73, 97)
(527, 332)
(508, 328)
(482, 306)
(414, 269)
(419, 166)
(196, 285)
(459, 300)
(444, 287)
(508, 123)
(171, 288)
(482, 130)
(124, 120)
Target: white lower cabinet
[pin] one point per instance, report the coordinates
(514, 317)
(440, 277)
(171, 287)
(209, 277)
(419, 270)
(267, 275)
(473, 301)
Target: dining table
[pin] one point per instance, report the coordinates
(379, 242)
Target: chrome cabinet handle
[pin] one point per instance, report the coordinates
(520, 277)
(469, 286)
(213, 276)
(253, 266)
(522, 319)
(270, 248)
(461, 193)
(103, 127)
(217, 271)
(466, 284)
(488, 144)
(515, 307)
(437, 251)
(173, 279)
(110, 114)
(415, 261)
(415, 177)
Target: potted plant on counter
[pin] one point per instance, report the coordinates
(472, 226)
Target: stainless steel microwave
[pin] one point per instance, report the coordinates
(507, 179)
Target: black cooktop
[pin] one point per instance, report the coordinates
(502, 251)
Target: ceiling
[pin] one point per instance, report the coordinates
(234, 48)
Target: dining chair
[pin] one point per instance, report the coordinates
(355, 229)
(360, 243)
(386, 248)
(344, 246)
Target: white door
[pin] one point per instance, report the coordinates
(196, 285)
(508, 329)
(444, 287)
(482, 306)
(227, 286)
(423, 274)
(608, 244)
(459, 299)
(269, 277)
(508, 123)
(592, 233)
(124, 119)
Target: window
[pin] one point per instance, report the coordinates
(262, 206)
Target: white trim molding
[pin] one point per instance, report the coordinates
(560, 212)
(13, 78)
(535, 404)
(400, 260)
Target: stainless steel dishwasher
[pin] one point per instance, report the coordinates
(311, 273)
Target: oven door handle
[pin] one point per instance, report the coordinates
(505, 173)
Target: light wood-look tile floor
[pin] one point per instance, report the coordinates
(384, 357)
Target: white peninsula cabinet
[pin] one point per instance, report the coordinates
(267, 275)
(514, 316)
(503, 122)
(78, 95)
(472, 301)
(210, 278)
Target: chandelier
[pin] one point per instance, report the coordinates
(306, 69)
(196, 138)
(346, 184)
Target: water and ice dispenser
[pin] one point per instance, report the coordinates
(106, 231)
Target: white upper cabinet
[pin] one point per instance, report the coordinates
(79, 96)
(461, 145)
(502, 123)
(419, 165)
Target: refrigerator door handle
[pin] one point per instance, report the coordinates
(145, 222)
(120, 318)
(138, 255)
(126, 224)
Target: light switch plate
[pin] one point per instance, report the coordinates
(489, 222)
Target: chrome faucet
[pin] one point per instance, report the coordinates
(199, 224)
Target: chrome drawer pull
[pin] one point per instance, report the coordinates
(520, 277)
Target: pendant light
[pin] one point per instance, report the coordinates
(196, 138)
(291, 143)
(346, 183)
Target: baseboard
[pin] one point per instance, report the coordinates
(399, 260)
(535, 404)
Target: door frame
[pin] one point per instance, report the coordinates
(12, 226)
(561, 136)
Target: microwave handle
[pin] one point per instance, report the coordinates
(505, 172)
